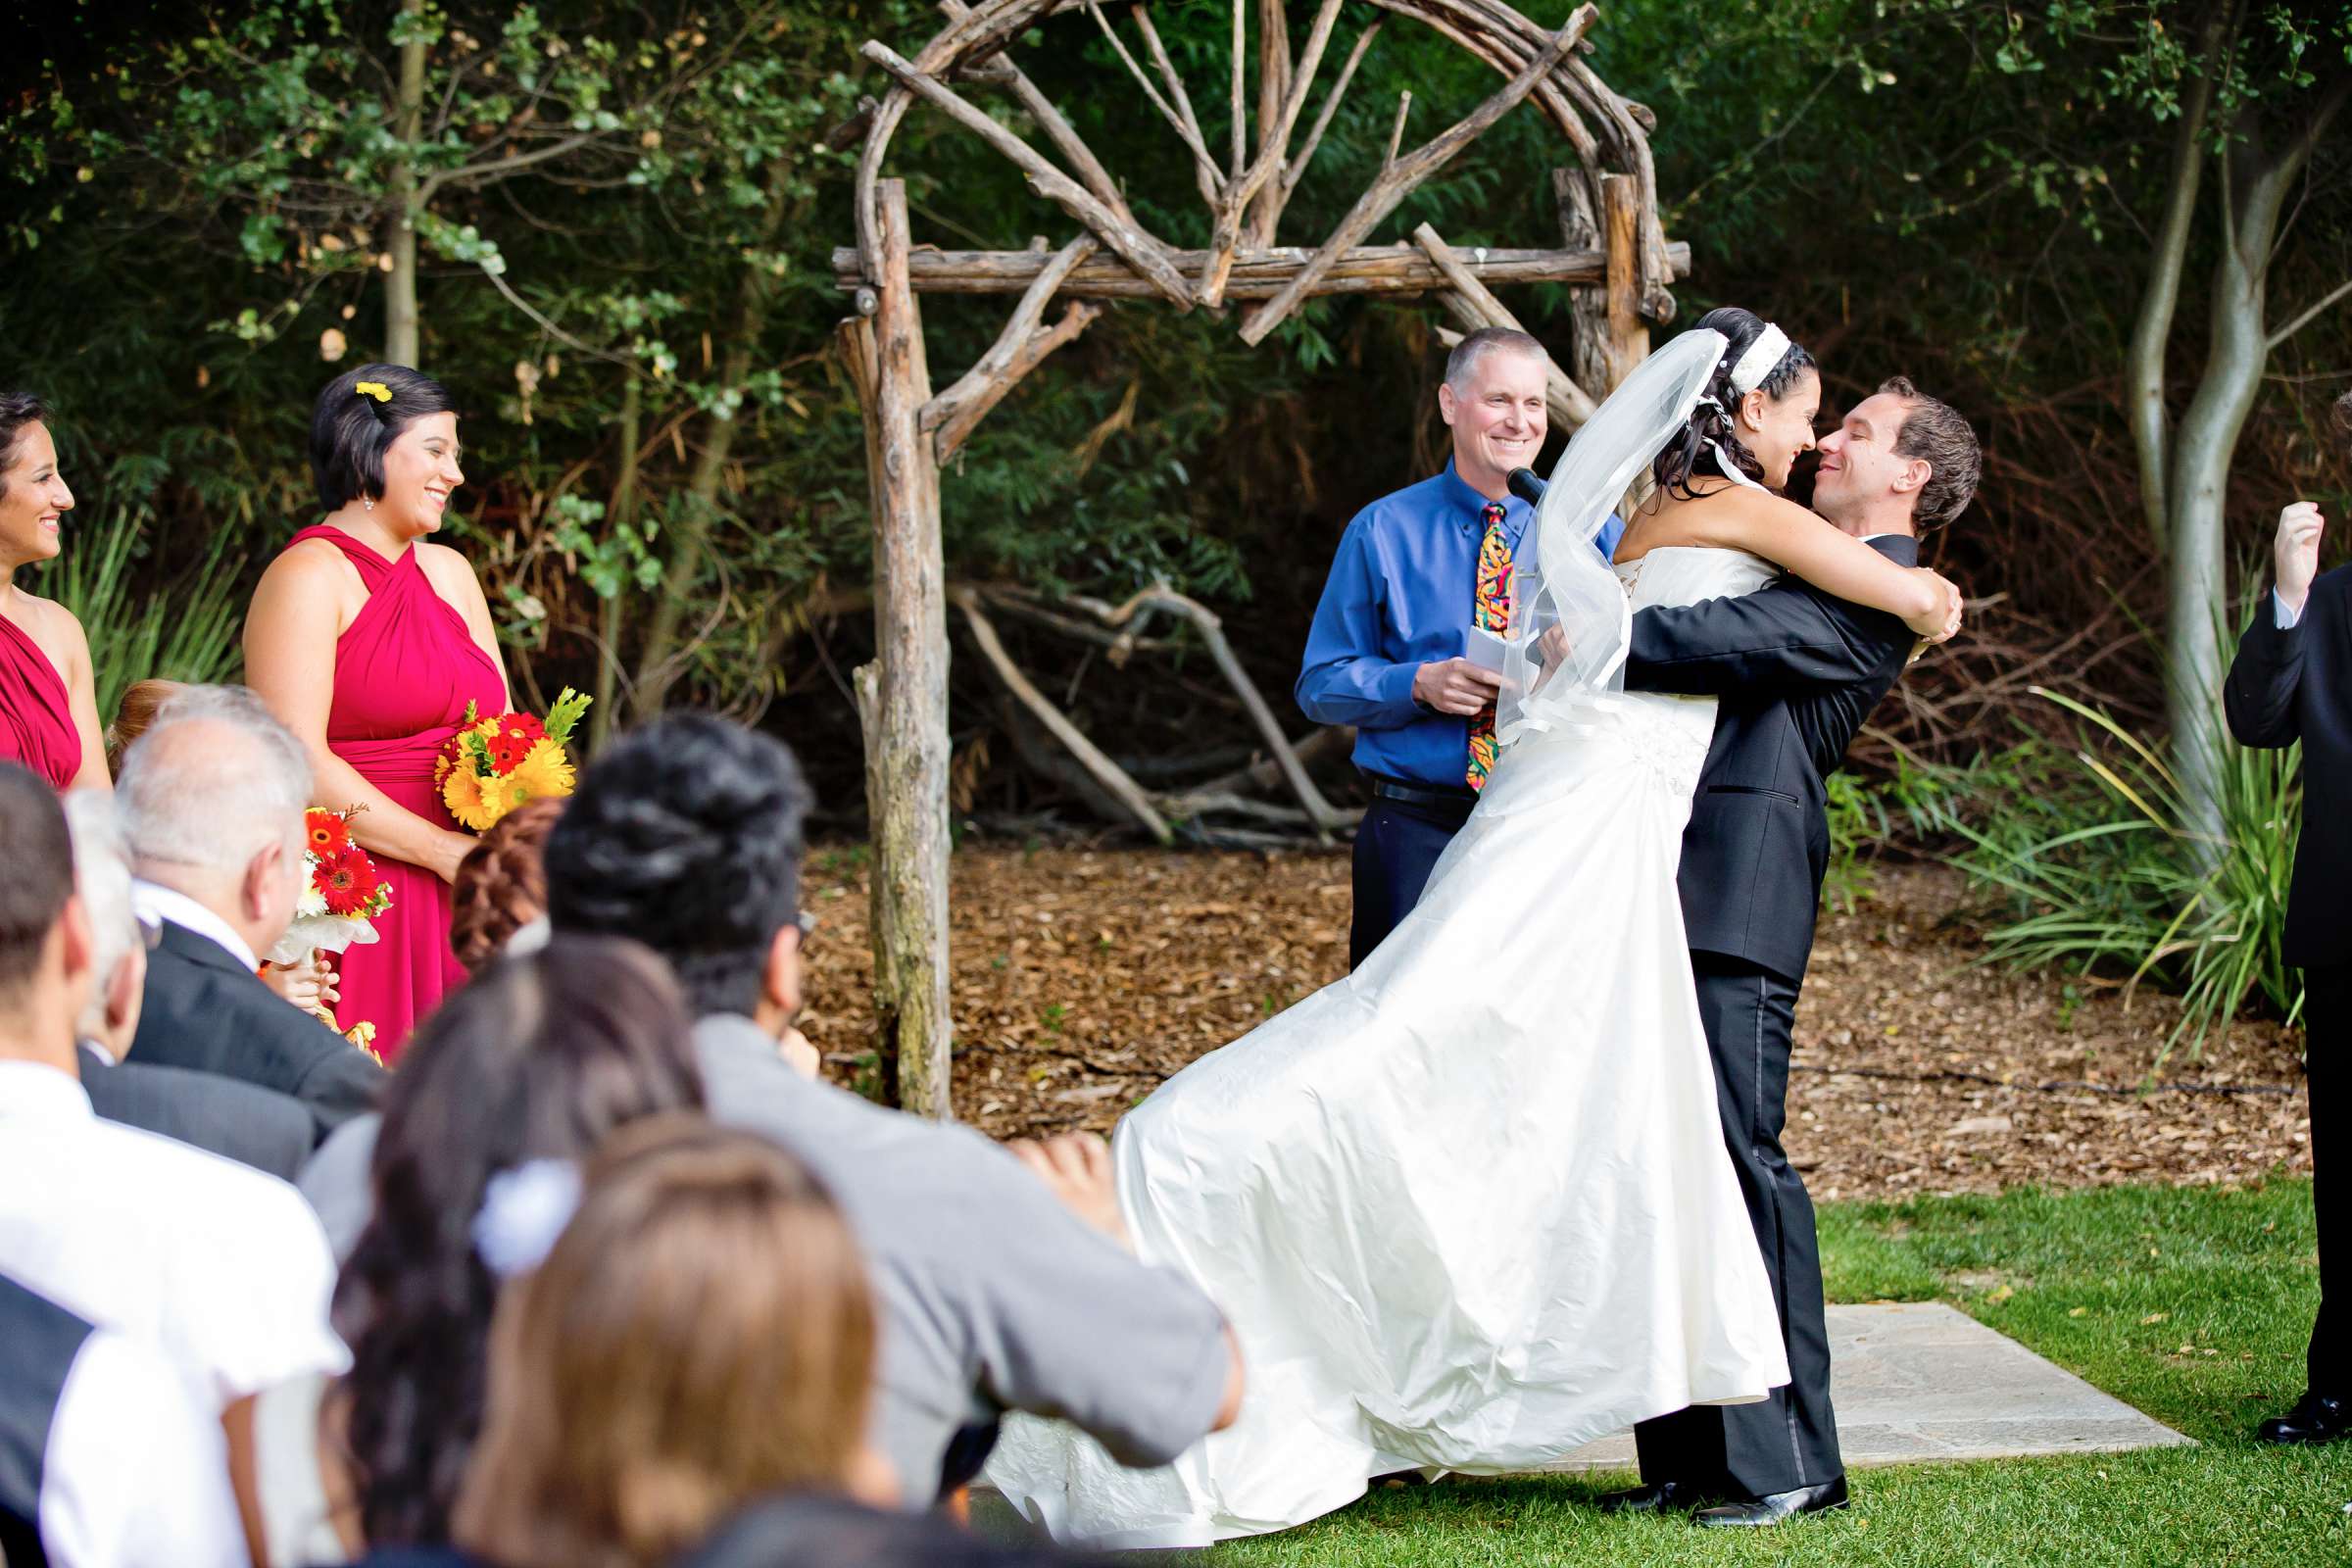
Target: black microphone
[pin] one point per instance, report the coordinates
(1522, 483)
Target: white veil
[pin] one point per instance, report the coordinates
(1569, 587)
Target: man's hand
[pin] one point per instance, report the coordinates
(1455, 686)
(799, 1054)
(1076, 1168)
(2296, 554)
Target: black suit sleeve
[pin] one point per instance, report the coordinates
(2259, 696)
(1785, 640)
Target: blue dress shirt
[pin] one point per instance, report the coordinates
(1400, 597)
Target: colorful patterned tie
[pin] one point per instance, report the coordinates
(1491, 610)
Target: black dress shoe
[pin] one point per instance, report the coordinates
(1667, 1496)
(2316, 1418)
(1773, 1509)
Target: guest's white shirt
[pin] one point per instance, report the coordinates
(222, 1266)
(152, 901)
(2282, 617)
(136, 1470)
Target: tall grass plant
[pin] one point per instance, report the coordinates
(183, 628)
(2103, 867)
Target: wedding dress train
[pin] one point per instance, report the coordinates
(1467, 1209)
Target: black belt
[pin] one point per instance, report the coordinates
(1388, 789)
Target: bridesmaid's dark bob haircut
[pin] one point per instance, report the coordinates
(350, 429)
(16, 410)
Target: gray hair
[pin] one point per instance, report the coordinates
(102, 876)
(214, 782)
(1461, 365)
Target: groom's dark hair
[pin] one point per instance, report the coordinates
(687, 836)
(1934, 429)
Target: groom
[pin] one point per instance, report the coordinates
(1796, 672)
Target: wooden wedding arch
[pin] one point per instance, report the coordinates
(1612, 252)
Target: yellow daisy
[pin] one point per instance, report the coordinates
(462, 793)
(544, 770)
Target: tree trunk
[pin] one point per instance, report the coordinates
(402, 340)
(661, 662)
(2143, 365)
(907, 716)
(2254, 192)
(618, 511)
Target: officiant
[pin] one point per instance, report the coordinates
(1420, 575)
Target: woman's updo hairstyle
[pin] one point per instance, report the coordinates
(1690, 451)
(350, 429)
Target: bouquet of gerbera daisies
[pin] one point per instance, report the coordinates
(492, 766)
(340, 896)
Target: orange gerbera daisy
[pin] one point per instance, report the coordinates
(329, 835)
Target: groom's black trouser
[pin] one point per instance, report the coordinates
(2326, 1034)
(1791, 1439)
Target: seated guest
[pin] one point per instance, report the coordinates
(48, 696)
(309, 985)
(212, 799)
(134, 713)
(699, 1335)
(249, 1124)
(994, 1295)
(536, 1060)
(108, 1460)
(221, 1266)
(817, 1531)
(501, 892)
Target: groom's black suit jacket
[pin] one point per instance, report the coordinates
(1796, 672)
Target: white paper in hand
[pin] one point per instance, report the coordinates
(1486, 650)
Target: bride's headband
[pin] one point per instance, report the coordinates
(1763, 355)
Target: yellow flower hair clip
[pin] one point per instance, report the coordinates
(374, 389)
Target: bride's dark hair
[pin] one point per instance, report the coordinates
(1690, 451)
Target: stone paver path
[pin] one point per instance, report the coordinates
(1918, 1381)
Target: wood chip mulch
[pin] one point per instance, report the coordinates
(1084, 977)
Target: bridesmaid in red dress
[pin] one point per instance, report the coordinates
(48, 703)
(412, 644)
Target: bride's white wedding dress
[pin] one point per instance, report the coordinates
(1469, 1207)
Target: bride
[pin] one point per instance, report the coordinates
(1469, 1207)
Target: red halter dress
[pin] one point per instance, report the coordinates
(36, 723)
(405, 670)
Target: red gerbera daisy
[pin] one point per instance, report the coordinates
(347, 881)
(517, 734)
(328, 834)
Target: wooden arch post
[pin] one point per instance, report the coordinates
(1612, 252)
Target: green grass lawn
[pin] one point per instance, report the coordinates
(2191, 1303)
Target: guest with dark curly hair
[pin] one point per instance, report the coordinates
(48, 695)
(372, 642)
(537, 1058)
(994, 1295)
(501, 890)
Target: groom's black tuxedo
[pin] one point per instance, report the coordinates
(1796, 672)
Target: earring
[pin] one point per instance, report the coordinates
(368, 502)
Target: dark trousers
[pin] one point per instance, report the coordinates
(1791, 1439)
(1395, 845)
(2327, 1024)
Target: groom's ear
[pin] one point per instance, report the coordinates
(1913, 476)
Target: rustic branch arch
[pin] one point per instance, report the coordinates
(1613, 252)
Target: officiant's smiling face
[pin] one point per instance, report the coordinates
(421, 473)
(1498, 417)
